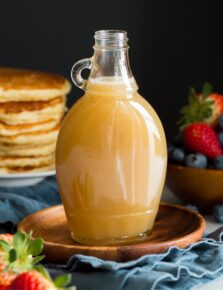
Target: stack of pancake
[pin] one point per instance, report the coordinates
(32, 106)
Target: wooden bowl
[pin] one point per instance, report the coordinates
(200, 187)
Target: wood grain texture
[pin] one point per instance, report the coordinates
(201, 187)
(174, 226)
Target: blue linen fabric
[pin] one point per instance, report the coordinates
(177, 268)
(18, 202)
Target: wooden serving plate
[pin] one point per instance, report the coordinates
(174, 226)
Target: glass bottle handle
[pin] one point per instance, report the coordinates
(76, 72)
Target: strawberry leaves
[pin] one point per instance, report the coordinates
(4, 246)
(18, 239)
(35, 247)
(60, 282)
(12, 255)
(207, 90)
(21, 256)
(199, 107)
(23, 253)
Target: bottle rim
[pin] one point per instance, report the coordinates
(111, 39)
(111, 34)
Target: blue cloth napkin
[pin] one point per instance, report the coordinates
(177, 268)
(18, 202)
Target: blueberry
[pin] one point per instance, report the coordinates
(220, 121)
(177, 155)
(218, 213)
(220, 138)
(196, 160)
(218, 162)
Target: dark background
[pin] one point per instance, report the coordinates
(174, 44)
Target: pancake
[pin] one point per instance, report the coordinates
(42, 150)
(32, 106)
(27, 161)
(10, 130)
(27, 169)
(19, 107)
(33, 138)
(29, 85)
(14, 113)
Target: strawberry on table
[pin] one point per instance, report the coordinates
(200, 137)
(33, 280)
(18, 253)
(8, 238)
(5, 276)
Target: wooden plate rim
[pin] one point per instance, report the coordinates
(199, 231)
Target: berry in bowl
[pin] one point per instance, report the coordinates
(195, 159)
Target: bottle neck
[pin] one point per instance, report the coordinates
(110, 63)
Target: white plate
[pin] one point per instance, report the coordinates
(23, 179)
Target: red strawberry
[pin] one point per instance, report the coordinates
(33, 280)
(205, 107)
(217, 108)
(6, 278)
(17, 255)
(200, 137)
